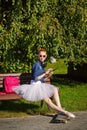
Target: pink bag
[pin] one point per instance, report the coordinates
(10, 82)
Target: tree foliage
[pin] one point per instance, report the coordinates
(60, 26)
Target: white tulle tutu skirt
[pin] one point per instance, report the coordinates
(35, 91)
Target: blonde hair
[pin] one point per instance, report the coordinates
(42, 49)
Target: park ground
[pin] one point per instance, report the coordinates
(44, 122)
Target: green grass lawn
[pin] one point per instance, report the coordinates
(73, 96)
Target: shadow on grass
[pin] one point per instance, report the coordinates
(64, 80)
(19, 106)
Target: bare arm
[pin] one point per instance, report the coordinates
(41, 76)
(48, 74)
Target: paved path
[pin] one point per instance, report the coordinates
(44, 122)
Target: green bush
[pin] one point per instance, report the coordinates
(57, 25)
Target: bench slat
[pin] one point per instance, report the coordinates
(11, 96)
(10, 74)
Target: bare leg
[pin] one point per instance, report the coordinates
(52, 105)
(56, 97)
(57, 108)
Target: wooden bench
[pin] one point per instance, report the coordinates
(24, 78)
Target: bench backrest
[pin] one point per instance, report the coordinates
(24, 78)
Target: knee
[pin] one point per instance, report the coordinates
(55, 89)
(47, 100)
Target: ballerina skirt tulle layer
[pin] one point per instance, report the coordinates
(35, 91)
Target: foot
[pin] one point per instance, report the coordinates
(70, 115)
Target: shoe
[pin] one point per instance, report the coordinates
(70, 115)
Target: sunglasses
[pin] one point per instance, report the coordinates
(43, 56)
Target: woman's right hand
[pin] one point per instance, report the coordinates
(49, 72)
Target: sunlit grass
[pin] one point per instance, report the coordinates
(60, 66)
(73, 96)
